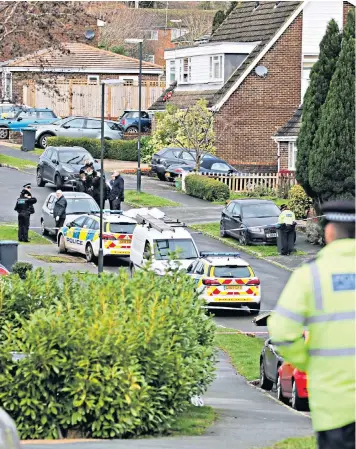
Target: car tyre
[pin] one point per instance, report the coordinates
(256, 307)
(161, 177)
(132, 130)
(280, 395)
(265, 383)
(44, 231)
(61, 245)
(4, 133)
(243, 239)
(222, 230)
(43, 140)
(58, 182)
(298, 403)
(89, 253)
(40, 181)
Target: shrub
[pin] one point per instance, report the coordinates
(109, 357)
(123, 150)
(299, 202)
(314, 233)
(21, 268)
(206, 188)
(261, 191)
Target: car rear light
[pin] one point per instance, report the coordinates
(210, 282)
(109, 237)
(253, 282)
(178, 170)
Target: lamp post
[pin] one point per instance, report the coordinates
(139, 42)
(101, 205)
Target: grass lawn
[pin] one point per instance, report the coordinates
(9, 232)
(57, 259)
(16, 162)
(296, 443)
(146, 200)
(194, 421)
(16, 146)
(243, 350)
(213, 230)
(241, 196)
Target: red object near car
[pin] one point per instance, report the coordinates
(3, 270)
(292, 386)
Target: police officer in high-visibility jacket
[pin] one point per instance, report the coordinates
(320, 297)
(286, 231)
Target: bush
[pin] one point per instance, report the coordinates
(123, 150)
(107, 357)
(261, 191)
(21, 268)
(206, 188)
(299, 202)
(314, 233)
(147, 149)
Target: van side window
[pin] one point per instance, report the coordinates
(147, 250)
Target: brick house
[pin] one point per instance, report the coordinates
(253, 73)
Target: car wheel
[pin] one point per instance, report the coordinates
(43, 140)
(161, 177)
(222, 230)
(89, 253)
(255, 308)
(40, 181)
(265, 383)
(280, 395)
(243, 238)
(58, 182)
(298, 403)
(43, 229)
(132, 130)
(61, 245)
(4, 133)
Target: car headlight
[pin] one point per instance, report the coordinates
(256, 230)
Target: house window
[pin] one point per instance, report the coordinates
(153, 35)
(93, 79)
(150, 58)
(172, 71)
(216, 68)
(292, 155)
(185, 70)
(178, 32)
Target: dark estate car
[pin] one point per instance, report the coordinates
(61, 165)
(209, 165)
(250, 221)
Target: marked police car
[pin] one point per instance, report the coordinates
(82, 235)
(224, 279)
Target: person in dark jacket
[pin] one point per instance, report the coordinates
(81, 184)
(96, 189)
(24, 208)
(116, 195)
(59, 210)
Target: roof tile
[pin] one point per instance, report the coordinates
(292, 127)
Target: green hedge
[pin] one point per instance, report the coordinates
(107, 357)
(206, 188)
(123, 150)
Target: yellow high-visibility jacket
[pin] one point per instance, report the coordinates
(286, 217)
(320, 297)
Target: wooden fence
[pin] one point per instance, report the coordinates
(77, 98)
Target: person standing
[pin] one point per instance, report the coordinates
(320, 296)
(286, 230)
(116, 195)
(96, 189)
(24, 208)
(109, 185)
(81, 183)
(59, 210)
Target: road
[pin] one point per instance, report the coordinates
(272, 277)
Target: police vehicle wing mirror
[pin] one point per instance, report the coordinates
(69, 225)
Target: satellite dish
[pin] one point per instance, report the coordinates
(89, 34)
(261, 71)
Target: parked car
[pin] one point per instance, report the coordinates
(61, 165)
(129, 121)
(250, 221)
(25, 118)
(3, 270)
(270, 361)
(77, 127)
(77, 204)
(8, 109)
(209, 165)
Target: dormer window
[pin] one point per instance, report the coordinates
(185, 70)
(216, 68)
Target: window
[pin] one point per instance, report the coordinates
(81, 206)
(184, 247)
(292, 155)
(76, 123)
(89, 223)
(74, 157)
(79, 221)
(200, 268)
(262, 210)
(237, 209)
(50, 202)
(216, 64)
(185, 70)
(93, 124)
(153, 35)
(172, 153)
(122, 228)
(172, 71)
(220, 166)
(49, 153)
(93, 79)
(178, 32)
(45, 114)
(230, 207)
(150, 58)
(27, 114)
(232, 271)
(187, 156)
(7, 85)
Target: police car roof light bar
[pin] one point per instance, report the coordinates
(219, 254)
(158, 224)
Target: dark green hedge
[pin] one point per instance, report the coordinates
(123, 150)
(206, 188)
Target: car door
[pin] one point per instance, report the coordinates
(92, 129)
(145, 121)
(236, 221)
(226, 217)
(48, 218)
(73, 241)
(52, 165)
(24, 119)
(271, 361)
(45, 161)
(44, 117)
(72, 128)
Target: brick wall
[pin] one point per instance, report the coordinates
(260, 106)
(283, 155)
(347, 7)
(157, 47)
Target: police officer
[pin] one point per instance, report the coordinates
(59, 209)
(320, 296)
(24, 208)
(286, 230)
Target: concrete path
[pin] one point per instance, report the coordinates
(247, 419)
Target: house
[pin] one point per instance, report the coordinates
(253, 73)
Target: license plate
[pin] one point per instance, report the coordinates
(274, 234)
(233, 287)
(123, 241)
(120, 251)
(232, 299)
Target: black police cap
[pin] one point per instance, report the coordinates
(342, 211)
(27, 186)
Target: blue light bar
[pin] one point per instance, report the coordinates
(212, 254)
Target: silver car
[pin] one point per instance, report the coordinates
(77, 204)
(77, 127)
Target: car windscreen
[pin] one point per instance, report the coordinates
(81, 206)
(122, 228)
(260, 211)
(74, 157)
(8, 108)
(231, 271)
(114, 126)
(184, 248)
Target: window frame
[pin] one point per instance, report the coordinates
(185, 70)
(76, 127)
(153, 35)
(172, 71)
(216, 61)
(292, 155)
(88, 120)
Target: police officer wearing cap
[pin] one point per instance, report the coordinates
(320, 296)
(24, 208)
(286, 230)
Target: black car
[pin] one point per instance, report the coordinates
(250, 221)
(270, 361)
(61, 165)
(209, 165)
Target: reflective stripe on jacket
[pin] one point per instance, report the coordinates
(320, 296)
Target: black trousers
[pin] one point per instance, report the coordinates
(287, 236)
(115, 204)
(60, 222)
(24, 224)
(341, 438)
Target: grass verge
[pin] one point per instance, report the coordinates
(21, 164)
(193, 421)
(9, 232)
(57, 259)
(146, 200)
(241, 196)
(213, 230)
(296, 443)
(16, 146)
(244, 352)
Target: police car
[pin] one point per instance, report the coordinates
(224, 279)
(82, 235)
